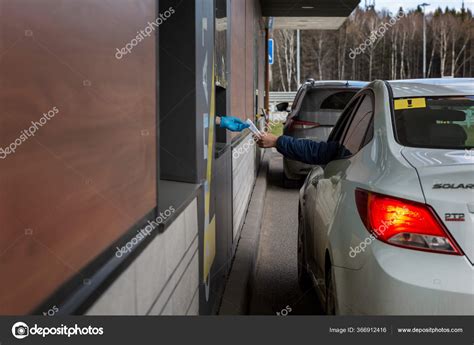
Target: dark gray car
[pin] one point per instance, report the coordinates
(315, 111)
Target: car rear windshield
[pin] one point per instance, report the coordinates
(338, 100)
(438, 122)
(324, 105)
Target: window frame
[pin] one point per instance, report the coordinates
(347, 121)
(364, 139)
(298, 97)
(340, 127)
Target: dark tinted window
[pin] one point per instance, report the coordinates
(338, 131)
(442, 122)
(337, 101)
(297, 98)
(323, 105)
(355, 135)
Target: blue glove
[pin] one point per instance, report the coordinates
(233, 124)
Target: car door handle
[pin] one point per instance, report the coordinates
(470, 207)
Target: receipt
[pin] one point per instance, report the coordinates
(253, 128)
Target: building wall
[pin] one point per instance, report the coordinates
(247, 46)
(163, 279)
(246, 30)
(243, 178)
(89, 173)
(237, 59)
(107, 166)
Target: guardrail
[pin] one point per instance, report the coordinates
(280, 96)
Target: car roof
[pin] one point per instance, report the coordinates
(432, 87)
(343, 83)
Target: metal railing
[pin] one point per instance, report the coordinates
(280, 96)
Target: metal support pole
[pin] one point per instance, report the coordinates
(267, 73)
(424, 37)
(298, 58)
(424, 43)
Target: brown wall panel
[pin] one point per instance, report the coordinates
(237, 59)
(249, 59)
(88, 174)
(246, 29)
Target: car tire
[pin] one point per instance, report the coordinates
(303, 275)
(330, 293)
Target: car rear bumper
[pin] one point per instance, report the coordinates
(397, 281)
(294, 170)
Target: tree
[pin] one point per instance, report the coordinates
(285, 45)
(395, 52)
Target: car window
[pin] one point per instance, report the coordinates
(297, 98)
(442, 123)
(355, 136)
(322, 105)
(339, 129)
(337, 101)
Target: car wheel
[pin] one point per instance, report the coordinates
(303, 275)
(330, 294)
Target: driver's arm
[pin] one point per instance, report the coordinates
(303, 150)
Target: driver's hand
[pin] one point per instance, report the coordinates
(266, 140)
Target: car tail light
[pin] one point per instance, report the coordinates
(404, 223)
(299, 124)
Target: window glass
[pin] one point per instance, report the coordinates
(338, 100)
(221, 43)
(338, 131)
(356, 132)
(445, 122)
(297, 98)
(323, 106)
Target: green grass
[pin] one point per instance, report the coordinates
(276, 128)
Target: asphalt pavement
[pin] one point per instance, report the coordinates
(275, 287)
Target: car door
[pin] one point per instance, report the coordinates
(353, 135)
(310, 188)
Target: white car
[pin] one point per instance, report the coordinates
(388, 228)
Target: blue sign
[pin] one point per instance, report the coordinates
(270, 51)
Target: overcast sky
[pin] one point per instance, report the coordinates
(394, 5)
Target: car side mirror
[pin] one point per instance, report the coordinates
(283, 106)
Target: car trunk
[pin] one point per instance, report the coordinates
(447, 180)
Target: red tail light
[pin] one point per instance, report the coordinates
(299, 124)
(404, 223)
